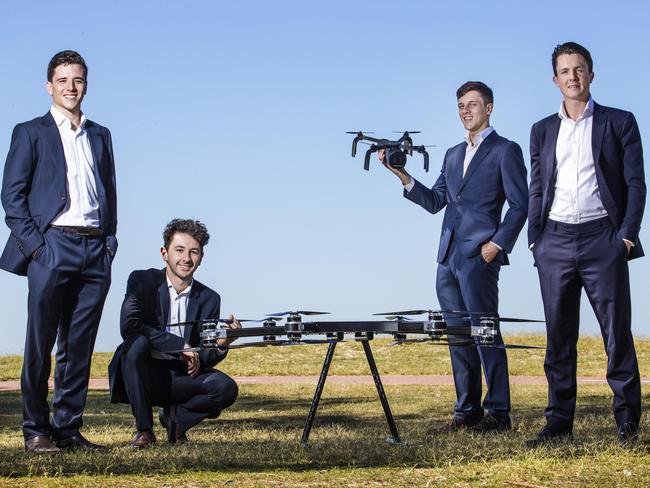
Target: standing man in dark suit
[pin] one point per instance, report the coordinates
(141, 372)
(587, 194)
(478, 176)
(58, 193)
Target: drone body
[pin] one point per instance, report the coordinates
(396, 151)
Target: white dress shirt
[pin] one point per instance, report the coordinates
(577, 198)
(177, 313)
(82, 205)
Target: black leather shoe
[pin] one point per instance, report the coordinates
(456, 423)
(41, 444)
(490, 423)
(628, 434)
(167, 418)
(80, 442)
(550, 434)
(143, 440)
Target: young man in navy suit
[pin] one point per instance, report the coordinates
(587, 195)
(478, 177)
(141, 372)
(59, 197)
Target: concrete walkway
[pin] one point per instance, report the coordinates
(387, 379)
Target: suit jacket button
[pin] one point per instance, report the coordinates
(458, 198)
(63, 197)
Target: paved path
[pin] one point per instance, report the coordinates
(387, 379)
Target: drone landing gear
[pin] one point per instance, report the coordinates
(394, 439)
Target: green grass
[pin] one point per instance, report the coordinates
(256, 443)
(405, 359)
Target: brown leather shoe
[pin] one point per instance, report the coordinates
(80, 442)
(41, 444)
(489, 423)
(143, 440)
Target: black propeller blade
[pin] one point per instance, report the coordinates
(299, 312)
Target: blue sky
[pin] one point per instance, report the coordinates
(234, 113)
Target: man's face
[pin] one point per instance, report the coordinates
(573, 77)
(474, 112)
(183, 256)
(68, 87)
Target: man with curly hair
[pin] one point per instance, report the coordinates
(156, 308)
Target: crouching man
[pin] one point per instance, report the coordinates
(141, 372)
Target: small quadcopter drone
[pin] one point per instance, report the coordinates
(396, 151)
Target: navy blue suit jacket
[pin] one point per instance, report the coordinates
(145, 311)
(474, 203)
(34, 189)
(618, 158)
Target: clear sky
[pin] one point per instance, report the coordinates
(234, 113)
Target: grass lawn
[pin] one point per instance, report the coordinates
(256, 443)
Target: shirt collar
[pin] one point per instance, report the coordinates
(172, 290)
(588, 112)
(61, 119)
(479, 137)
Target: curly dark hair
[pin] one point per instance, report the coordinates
(479, 86)
(192, 227)
(64, 58)
(571, 48)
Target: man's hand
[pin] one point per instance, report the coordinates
(401, 173)
(628, 244)
(232, 325)
(489, 251)
(191, 358)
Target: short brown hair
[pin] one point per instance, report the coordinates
(65, 58)
(479, 86)
(187, 226)
(571, 48)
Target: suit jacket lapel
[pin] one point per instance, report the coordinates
(598, 132)
(54, 142)
(163, 295)
(480, 154)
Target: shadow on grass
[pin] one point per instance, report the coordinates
(261, 432)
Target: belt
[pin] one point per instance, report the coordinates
(82, 231)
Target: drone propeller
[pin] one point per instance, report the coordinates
(297, 312)
(358, 132)
(463, 315)
(398, 317)
(301, 342)
(406, 131)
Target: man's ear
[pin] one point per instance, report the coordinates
(163, 253)
(48, 87)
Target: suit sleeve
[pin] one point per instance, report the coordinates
(515, 187)
(633, 174)
(111, 196)
(16, 185)
(432, 200)
(210, 357)
(132, 321)
(535, 189)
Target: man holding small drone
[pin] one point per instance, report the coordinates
(156, 308)
(478, 176)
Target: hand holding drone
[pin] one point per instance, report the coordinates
(395, 151)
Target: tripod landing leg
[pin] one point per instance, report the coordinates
(317, 394)
(382, 394)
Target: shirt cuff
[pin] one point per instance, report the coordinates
(409, 186)
(628, 242)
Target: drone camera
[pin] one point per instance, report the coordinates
(395, 157)
(486, 331)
